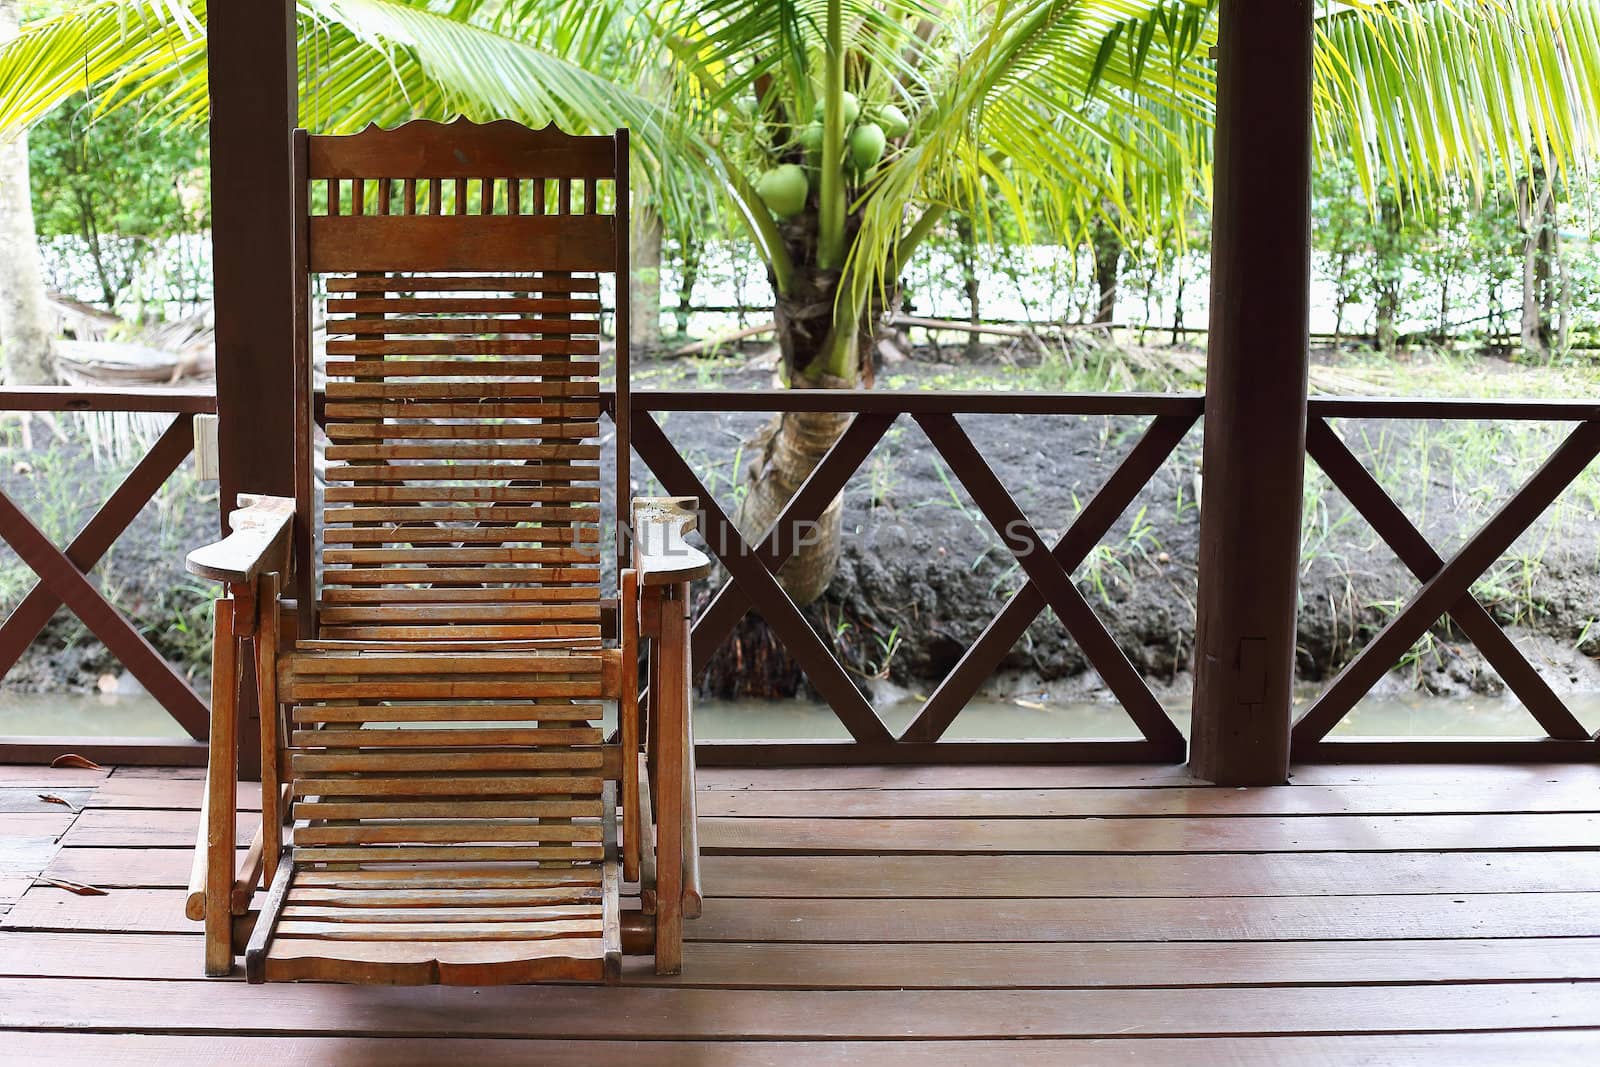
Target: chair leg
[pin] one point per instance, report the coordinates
(628, 725)
(670, 713)
(266, 646)
(222, 787)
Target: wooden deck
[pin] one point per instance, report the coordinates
(935, 916)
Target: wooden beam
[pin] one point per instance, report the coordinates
(251, 58)
(1256, 373)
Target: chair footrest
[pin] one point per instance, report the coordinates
(443, 925)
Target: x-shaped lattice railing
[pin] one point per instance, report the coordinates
(1446, 585)
(63, 579)
(753, 584)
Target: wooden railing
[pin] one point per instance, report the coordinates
(63, 575)
(1446, 584)
(752, 584)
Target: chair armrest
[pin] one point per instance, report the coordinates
(259, 543)
(660, 554)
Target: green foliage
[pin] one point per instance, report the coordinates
(118, 185)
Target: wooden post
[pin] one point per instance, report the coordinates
(1255, 420)
(254, 75)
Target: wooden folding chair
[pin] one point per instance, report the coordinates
(431, 696)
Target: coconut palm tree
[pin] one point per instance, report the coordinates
(840, 132)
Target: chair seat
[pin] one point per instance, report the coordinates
(452, 822)
(446, 925)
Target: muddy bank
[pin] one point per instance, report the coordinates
(922, 572)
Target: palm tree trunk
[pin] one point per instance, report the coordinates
(785, 451)
(1536, 212)
(1390, 276)
(686, 283)
(783, 455)
(24, 317)
(969, 282)
(644, 319)
(1107, 269)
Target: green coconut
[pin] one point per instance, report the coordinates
(894, 121)
(811, 139)
(849, 103)
(867, 143)
(784, 190)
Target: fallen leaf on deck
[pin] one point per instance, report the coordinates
(51, 798)
(72, 887)
(72, 759)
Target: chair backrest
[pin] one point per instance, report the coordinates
(462, 265)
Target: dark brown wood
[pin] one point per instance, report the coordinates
(823, 670)
(1053, 581)
(979, 662)
(464, 149)
(1368, 497)
(129, 751)
(622, 409)
(98, 535)
(906, 402)
(1449, 750)
(467, 242)
(1450, 583)
(307, 415)
(254, 79)
(902, 753)
(251, 58)
(1498, 409)
(57, 398)
(1256, 375)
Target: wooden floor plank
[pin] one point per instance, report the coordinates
(703, 1014)
(126, 791)
(1173, 835)
(1514, 915)
(1265, 874)
(902, 877)
(130, 829)
(49, 822)
(1546, 1048)
(119, 867)
(50, 777)
(1108, 776)
(1380, 833)
(1421, 799)
(759, 965)
(1117, 915)
(1518, 795)
(44, 798)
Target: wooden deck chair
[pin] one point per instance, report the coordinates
(439, 801)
